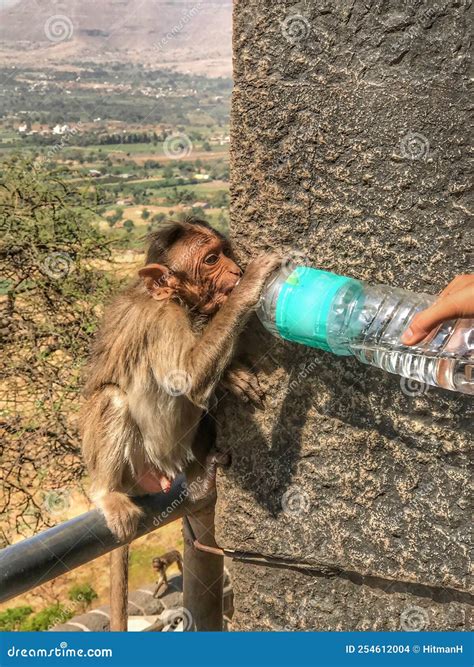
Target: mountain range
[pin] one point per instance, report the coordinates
(185, 35)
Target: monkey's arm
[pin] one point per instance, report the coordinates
(211, 354)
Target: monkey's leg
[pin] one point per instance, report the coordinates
(109, 435)
(121, 513)
(119, 589)
(159, 583)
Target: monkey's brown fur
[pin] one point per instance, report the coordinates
(161, 564)
(180, 320)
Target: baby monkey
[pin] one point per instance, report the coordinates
(163, 346)
(161, 564)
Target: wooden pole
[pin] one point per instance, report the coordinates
(119, 589)
(203, 576)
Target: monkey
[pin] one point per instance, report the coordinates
(162, 348)
(161, 564)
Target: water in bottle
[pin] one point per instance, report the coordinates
(350, 317)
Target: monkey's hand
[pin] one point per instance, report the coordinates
(255, 277)
(241, 382)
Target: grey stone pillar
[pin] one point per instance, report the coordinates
(349, 149)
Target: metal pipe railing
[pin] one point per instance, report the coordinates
(49, 554)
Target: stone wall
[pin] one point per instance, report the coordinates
(349, 150)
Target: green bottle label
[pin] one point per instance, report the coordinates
(304, 305)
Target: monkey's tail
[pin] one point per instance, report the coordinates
(119, 589)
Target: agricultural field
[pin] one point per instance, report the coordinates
(140, 139)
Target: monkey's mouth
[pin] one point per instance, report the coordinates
(227, 290)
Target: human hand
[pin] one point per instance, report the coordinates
(456, 300)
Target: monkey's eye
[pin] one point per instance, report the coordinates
(211, 259)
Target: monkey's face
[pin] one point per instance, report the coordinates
(208, 273)
(158, 564)
(201, 272)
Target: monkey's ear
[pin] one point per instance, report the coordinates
(158, 280)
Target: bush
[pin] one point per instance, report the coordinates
(47, 618)
(11, 619)
(82, 593)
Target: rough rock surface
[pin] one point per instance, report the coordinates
(350, 150)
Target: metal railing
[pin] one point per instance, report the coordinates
(55, 551)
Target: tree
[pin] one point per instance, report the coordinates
(128, 225)
(145, 214)
(52, 297)
(158, 218)
(116, 216)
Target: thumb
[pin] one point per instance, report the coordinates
(423, 323)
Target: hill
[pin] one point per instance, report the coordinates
(189, 36)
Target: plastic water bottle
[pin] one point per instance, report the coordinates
(349, 317)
